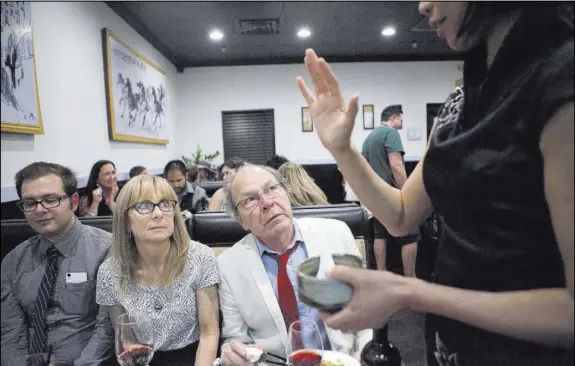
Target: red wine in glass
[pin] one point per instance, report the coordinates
(136, 356)
(305, 357)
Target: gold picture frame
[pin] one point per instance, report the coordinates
(20, 105)
(368, 117)
(306, 120)
(136, 94)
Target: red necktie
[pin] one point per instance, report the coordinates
(286, 294)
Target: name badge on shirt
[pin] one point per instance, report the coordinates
(76, 277)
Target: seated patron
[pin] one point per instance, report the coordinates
(138, 170)
(49, 281)
(190, 196)
(255, 301)
(101, 190)
(227, 172)
(156, 271)
(303, 190)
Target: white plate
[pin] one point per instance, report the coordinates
(340, 358)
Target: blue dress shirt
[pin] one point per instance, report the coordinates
(306, 313)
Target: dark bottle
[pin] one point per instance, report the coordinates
(380, 351)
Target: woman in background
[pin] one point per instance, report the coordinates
(303, 190)
(156, 271)
(101, 190)
(227, 171)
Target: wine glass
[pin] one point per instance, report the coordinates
(134, 340)
(305, 345)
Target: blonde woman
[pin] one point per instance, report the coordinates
(157, 271)
(303, 190)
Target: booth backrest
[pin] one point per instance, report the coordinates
(15, 232)
(211, 187)
(215, 228)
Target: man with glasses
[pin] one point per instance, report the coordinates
(258, 289)
(48, 281)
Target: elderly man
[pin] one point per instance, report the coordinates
(49, 281)
(258, 290)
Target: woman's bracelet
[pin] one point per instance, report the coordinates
(91, 214)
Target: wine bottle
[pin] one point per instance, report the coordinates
(380, 351)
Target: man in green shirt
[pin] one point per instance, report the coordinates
(384, 152)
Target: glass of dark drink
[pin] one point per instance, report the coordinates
(134, 340)
(305, 345)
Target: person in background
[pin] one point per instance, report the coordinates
(498, 170)
(257, 303)
(191, 198)
(384, 152)
(303, 190)
(138, 170)
(48, 281)
(276, 161)
(227, 171)
(155, 270)
(101, 190)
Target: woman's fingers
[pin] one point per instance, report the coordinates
(329, 78)
(307, 94)
(311, 63)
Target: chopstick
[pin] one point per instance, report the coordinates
(276, 356)
(49, 356)
(275, 363)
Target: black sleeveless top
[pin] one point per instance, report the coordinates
(484, 175)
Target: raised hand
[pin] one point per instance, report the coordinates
(97, 195)
(333, 118)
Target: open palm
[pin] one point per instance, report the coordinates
(332, 117)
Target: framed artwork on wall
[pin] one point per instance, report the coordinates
(368, 117)
(135, 94)
(20, 104)
(306, 121)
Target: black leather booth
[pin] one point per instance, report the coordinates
(211, 187)
(215, 228)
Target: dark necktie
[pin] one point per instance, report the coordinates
(286, 294)
(39, 341)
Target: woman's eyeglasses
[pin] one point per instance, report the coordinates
(147, 207)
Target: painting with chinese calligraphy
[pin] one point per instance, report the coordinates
(20, 103)
(136, 94)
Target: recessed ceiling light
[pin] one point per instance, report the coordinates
(304, 33)
(216, 35)
(388, 31)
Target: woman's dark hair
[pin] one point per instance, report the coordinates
(137, 170)
(540, 27)
(480, 13)
(175, 165)
(93, 178)
(232, 163)
(39, 169)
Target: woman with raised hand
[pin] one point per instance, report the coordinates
(499, 172)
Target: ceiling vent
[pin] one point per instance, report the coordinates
(422, 26)
(259, 26)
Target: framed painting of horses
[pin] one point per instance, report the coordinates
(20, 102)
(136, 94)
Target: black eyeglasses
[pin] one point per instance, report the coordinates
(147, 207)
(48, 202)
